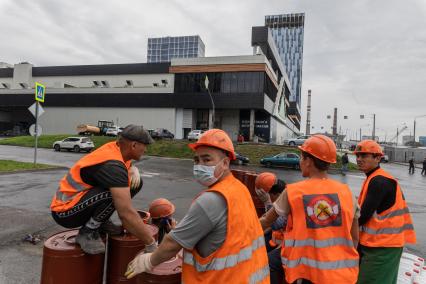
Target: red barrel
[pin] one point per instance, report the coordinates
(238, 174)
(121, 250)
(64, 262)
(169, 272)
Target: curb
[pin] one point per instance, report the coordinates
(34, 170)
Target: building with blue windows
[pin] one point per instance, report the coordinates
(164, 49)
(287, 31)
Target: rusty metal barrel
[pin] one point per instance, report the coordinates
(121, 250)
(64, 262)
(169, 272)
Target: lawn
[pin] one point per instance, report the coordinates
(12, 166)
(166, 148)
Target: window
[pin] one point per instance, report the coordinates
(5, 85)
(105, 84)
(23, 85)
(129, 83)
(96, 84)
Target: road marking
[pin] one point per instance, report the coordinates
(150, 173)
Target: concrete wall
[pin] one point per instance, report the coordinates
(403, 154)
(279, 131)
(57, 120)
(229, 121)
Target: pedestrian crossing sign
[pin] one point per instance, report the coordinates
(40, 91)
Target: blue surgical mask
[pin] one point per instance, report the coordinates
(205, 174)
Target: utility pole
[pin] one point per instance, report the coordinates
(414, 132)
(308, 114)
(360, 137)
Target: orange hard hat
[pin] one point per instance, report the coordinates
(161, 207)
(369, 147)
(265, 181)
(321, 147)
(216, 138)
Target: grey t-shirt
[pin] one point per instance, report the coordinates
(204, 226)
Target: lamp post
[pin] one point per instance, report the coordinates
(206, 84)
(373, 132)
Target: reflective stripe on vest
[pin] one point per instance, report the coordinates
(391, 214)
(259, 275)
(338, 264)
(387, 231)
(319, 243)
(74, 184)
(225, 262)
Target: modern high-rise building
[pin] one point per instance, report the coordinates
(287, 31)
(164, 49)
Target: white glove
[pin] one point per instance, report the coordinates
(263, 196)
(141, 263)
(151, 247)
(135, 177)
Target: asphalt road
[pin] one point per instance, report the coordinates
(25, 199)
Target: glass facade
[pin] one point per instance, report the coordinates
(226, 83)
(287, 31)
(164, 49)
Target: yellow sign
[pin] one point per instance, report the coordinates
(40, 91)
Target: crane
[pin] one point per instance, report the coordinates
(398, 132)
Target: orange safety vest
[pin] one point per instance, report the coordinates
(277, 238)
(242, 257)
(392, 227)
(318, 244)
(72, 187)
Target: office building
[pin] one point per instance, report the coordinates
(288, 33)
(164, 49)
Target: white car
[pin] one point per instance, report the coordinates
(113, 131)
(296, 141)
(75, 144)
(195, 134)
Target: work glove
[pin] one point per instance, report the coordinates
(263, 196)
(135, 177)
(141, 263)
(151, 247)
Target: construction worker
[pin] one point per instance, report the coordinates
(220, 234)
(268, 189)
(100, 183)
(385, 222)
(161, 212)
(322, 229)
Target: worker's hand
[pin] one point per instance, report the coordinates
(151, 247)
(141, 263)
(263, 196)
(135, 177)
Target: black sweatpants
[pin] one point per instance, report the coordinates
(96, 203)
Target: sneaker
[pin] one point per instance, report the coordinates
(108, 227)
(90, 241)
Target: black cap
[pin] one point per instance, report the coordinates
(137, 133)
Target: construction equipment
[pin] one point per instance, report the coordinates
(101, 129)
(399, 132)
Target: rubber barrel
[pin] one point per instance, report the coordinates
(64, 262)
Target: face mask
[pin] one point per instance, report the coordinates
(205, 174)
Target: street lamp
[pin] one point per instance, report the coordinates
(373, 134)
(206, 84)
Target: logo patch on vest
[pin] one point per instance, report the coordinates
(322, 210)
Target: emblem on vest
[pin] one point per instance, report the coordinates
(322, 210)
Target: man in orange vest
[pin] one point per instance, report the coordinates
(100, 183)
(321, 234)
(385, 222)
(220, 234)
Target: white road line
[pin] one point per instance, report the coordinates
(150, 173)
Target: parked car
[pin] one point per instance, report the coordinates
(296, 141)
(282, 159)
(160, 133)
(113, 131)
(75, 144)
(384, 159)
(195, 134)
(240, 159)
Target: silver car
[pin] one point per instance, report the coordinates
(75, 144)
(195, 134)
(296, 141)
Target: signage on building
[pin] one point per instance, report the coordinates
(40, 91)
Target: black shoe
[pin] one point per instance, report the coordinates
(90, 241)
(108, 227)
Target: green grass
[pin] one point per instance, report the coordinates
(12, 166)
(166, 148)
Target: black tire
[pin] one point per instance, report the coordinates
(292, 143)
(76, 149)
(268, 164)
(57, 148)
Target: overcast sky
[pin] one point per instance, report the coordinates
(360, 56)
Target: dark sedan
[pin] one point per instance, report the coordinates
(283, 160)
